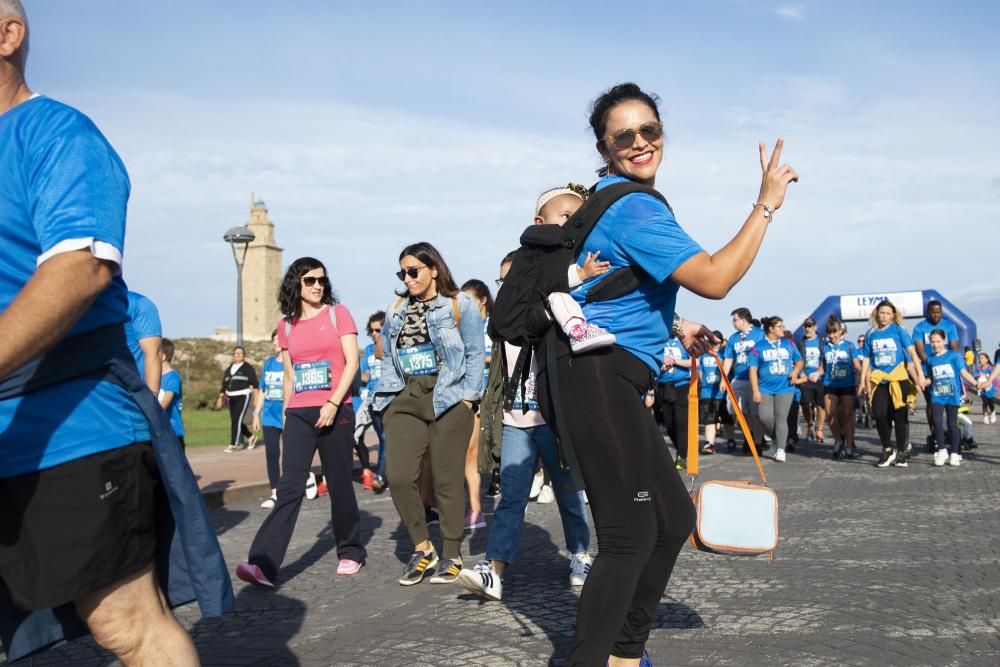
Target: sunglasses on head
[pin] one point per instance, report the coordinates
(412, 272)
(623, 139)
(309, 281)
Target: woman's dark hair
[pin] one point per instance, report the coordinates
(942, 335)
(482, 291)
(430, 257)
(755, 322)
(833, 325)
(240, 348)
(508, 258)
(377, 316)
(167, 347)
(290, 292)
(623, 92)
(769, 323)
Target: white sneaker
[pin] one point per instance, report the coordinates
(993, 417)
(986, 419)
(536, 485)
(311, 489)
(940, 457)
(546, 495)
(779, 456)
(482, 580)
(269, 503)
(231, 448)
(252, 442)
(955, 460)
(579, 568)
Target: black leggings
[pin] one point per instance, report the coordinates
(272, 450)
(237, 413)
(887, 417)
(674, 411)
(642, 512)
(946, 416)
(988, 405)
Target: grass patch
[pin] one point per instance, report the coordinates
(206, 428)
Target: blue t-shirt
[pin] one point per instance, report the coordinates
(774, 361)
(710, 376)
(373, 366)
(886, 348)
(171, 381)
(922, 332)
(675, 375)
(637, 230)
(946, 377)
(143, 322)
(271, 382)
(810, 356)
(983, 374)
(738, 349)
(60, 180)
(838, 364)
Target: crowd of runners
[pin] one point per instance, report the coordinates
(552, 392)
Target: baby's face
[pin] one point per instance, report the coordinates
(558, 210)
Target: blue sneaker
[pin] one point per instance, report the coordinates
(645, 662)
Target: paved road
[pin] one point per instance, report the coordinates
(896, 566)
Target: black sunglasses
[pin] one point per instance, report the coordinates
(412, 272)
(309, 281)
(623, 139)
(499, 282)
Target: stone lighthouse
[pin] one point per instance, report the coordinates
(262, 275)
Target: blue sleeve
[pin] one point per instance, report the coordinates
(753, 359)
(144, 316)
(364, 359)
(650, 237)
(867, 350)
(951, 330)
(904, 335)
(918, 331)
(77, 184)
(728, 352)
(959, 364)
(171, 382)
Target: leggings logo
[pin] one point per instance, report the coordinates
(642, 497)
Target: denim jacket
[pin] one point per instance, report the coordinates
(461, 350)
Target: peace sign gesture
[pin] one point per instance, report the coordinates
(775, 179)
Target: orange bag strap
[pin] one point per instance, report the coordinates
(693, 423)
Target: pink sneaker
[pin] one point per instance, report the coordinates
(475, 520)
(584, 337)
(252, 574)
(348, 567)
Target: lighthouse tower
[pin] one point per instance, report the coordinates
(261, 275)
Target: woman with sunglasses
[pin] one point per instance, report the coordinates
(319, 349)
(432, 374)
(642, 511)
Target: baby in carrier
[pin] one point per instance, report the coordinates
(555, 207)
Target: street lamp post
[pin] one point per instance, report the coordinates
(239, 236)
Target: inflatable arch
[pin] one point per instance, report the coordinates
(858, 308)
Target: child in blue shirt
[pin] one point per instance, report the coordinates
(171, 395)
(983, 371)
(268, 415)
(946, 372)
(711, 394)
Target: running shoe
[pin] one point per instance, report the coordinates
(940, 457)
(482, 580)
(902, 460)
(474, 520)
(379, 484)
(709, 448)
(536, 485)
(431, 515)
(367, 476)
(269, 503)
(447, 571)
(346, 567)
(231, 448)
(494, 489)
(645, 661)
(579, 568)
(993, 417)
(311, 490)
(584, 337)
(779, 455)
(986, 419)
(681, 463)
(790, 445)
(546, 495)
(252, 441)
(909, 451)
(887, 459)
(252, 574)
(838, 451)
(419, 563)
(852, 452)
(955, 460)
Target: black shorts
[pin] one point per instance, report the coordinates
(710, 409)
(812, 393)
(78, 527)
(840, 391)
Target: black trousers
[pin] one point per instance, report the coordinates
(238, 429)
(946, 418)
(272, 450)
(642, 512)
(888, 418)
(301, 440)
(674, 411)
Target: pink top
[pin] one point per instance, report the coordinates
(518, 417)
(313, 345)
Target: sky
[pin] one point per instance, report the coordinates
(366, 126)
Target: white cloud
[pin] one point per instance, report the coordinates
(789, 12)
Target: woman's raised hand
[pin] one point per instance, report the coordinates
(775, 177)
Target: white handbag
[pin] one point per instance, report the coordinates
(735, 518)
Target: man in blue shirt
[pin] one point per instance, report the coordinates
(735, 365)
(934, 319)
(144, 334)
(76, 471)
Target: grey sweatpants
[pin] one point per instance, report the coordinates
(773, 412)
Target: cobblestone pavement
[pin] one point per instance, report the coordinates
(894, 566)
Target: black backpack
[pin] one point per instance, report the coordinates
(538, 268)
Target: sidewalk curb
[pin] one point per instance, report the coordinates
(234, 495)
